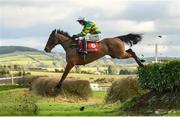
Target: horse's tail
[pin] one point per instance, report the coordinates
(131, 39)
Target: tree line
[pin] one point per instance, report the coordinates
(111, 69)
(5, 70)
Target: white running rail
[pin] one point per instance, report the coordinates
(11, 78)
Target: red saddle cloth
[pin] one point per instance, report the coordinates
(91, 46)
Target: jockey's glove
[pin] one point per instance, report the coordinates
(74, 36)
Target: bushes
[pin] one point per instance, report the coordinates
(23, 105)
(152, 102)
(77, 69)
(26, 81)
(123, 89)
(126, 72)
(160, 77)
(43, 86)
(79, 88)
(112, 69)
(4, 72)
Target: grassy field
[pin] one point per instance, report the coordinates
(89, 77)
(94, 69)
(18, 101)
(93, 107)
(77, 75)
(13, 99)
(41, 59)
(25, 59)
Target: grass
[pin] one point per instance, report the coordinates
(84, 68)
(74, 110)
(24, 58)
(15, 102)
(76, 75)
(173, 113)
(89, 77)
(8, 87)
(11, 98)
(9, 104)
(93, 107)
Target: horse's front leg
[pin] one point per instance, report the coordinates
(69, 66)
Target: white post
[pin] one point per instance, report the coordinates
(12, 79)
(156, 50)
(156, 53)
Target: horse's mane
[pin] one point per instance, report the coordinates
(63, 33)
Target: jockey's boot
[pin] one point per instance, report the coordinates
(84, 43)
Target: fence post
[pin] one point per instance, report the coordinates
(12, 79)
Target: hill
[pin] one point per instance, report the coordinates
(11, 49)
(35, 58)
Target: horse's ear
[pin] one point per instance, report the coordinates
(54, 31)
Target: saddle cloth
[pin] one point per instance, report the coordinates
(91, 46)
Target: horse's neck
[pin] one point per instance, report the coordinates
(66, 44)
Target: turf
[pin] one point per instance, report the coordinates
(47, 106)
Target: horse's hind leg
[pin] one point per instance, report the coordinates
(135, 57)
(130, 54)
(125, 55)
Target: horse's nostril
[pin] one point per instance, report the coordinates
(45, 49)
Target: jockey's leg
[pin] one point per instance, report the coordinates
(84, 43)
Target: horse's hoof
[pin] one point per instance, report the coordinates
(55, 89)
(141, 65)
(142, 60)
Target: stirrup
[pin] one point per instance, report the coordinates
(84, 52)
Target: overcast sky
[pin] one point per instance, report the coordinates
(29, 22)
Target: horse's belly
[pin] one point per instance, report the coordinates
(88, 58)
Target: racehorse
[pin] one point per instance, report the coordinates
(114, 47)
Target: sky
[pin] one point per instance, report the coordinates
(30, 22)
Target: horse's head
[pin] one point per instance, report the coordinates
(51, 43)
(58, 37)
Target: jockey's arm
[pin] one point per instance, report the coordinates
(84, 32)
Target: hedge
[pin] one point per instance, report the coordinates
(160, 76)
(70, 88)
(123, 89)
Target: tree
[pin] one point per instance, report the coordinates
(112, 69)
(97, 67)
(78, 69)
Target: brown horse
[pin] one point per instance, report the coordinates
(113, 47)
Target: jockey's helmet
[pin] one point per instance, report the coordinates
(81, 19)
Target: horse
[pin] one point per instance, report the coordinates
(114, 47)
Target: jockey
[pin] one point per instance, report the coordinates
(88, 28)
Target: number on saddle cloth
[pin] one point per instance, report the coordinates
(92, 43)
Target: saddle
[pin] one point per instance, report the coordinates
(92, 46)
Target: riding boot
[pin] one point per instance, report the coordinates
(84, 43)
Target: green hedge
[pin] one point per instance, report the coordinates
(123, 89)
(160, 76)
